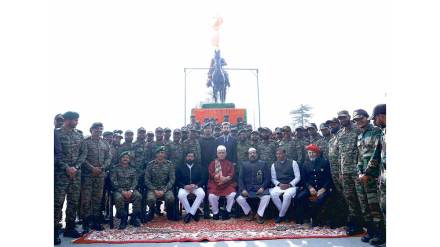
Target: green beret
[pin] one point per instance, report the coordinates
(124, 153)
(71, 115)
(161, 149)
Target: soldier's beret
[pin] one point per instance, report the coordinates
(141, 129)
(98, 125)
(107, 133)
(71, 115)
(161, 149)
(359, 113)
(167, 130)
(124, 153)
(159, 129)
(176, 130)
(379, 109)
(343, 113)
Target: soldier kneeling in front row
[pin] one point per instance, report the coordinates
(124, 182)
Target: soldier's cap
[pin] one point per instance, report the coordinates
(267, 129)
(260, 129)
(194, 130)
(343, 113)
(278, 130)
(150, 133)
(98, 125)
(118, 131)
(379, 109)
(177, 131)
(312, 126)
(70, 115)
(287, 128)
(360, 113)
(124, 153)
(59, 116)
(299, 128)
(255, 132)
(313, 147)
(167, 130)
(161, 149)
(141, 129)
(117, 135)
(107, 133)
(323, 126)
(184, 129)
(158, 129)
(129, 131)
(330, 121)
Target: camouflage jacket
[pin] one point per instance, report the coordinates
(70, 148)
(160, 175)
(193, 146)
(368, 143)
(293, 149)
(123, 178)
(323, 144)
(94, 153)
(267, 150)
(347, 149)
(242, 151)
(176, 153)
(141, 153)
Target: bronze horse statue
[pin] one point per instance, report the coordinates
(218, 78)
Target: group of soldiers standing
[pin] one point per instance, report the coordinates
(337, 175)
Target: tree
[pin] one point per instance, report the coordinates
(301, 115)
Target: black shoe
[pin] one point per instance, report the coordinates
(380, 236)
(226, 215)
(260, 220)
(150, 216)
(70, 231)
(56, 236)
(123, 223)
(196, 216)
(134, 221)
(206, 215)
(354, 230)
(216, 217)
(250, 216)
(86, 225)
(187, 218)
(279, 219)
(370, 233)
(97, 224)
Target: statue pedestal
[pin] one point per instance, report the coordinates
(218, 111)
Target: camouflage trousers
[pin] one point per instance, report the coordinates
(369, 200)
(382, 191)
(91, 195)
(64, 186)
(168, 197)
(135, 199)
(350, 183)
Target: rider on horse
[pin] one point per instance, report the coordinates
(211, 69)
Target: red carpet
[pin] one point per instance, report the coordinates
(161, 230)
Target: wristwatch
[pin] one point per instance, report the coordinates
(131, 191)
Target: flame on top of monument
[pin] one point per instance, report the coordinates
(218, 21)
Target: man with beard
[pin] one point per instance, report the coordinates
(95, 154)
(176, 148)
(208, 146)
(229, 142)
(128, 144)
(347, 151)
(185, 133)
(167, 135)
(368, 144)
(151, 145)
(67, 176)
(190, 178)
(253, 182)
(285, 176)
(255, 139)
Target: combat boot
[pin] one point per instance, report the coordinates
(70, 231)
(353, 227)
(134, 220)
(86, 225)
(371, 231)
(56, 236)
(150, 215)
(380, 236)
(124, 218)
(97, 224)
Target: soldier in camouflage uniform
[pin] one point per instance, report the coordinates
(68, 176)
(128, 144)
(293, 147)
(140, 152)
(185, 133)
(302, 142)
(242, 150)
(380, 120)
(254, 139)
(346, 145)
(96, 158)
(193, 145)
(314, 136)
(368, 144)
(324, 141)
(124, 181)
(151, 147)
(267, 148)
(159, 180)
(176, 148)
(167, 135)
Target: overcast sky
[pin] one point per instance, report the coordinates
(122, 62)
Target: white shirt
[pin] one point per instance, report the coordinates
(295, 168)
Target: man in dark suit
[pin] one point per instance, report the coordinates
(229, 142)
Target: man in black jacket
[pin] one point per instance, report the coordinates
(318, 185)
(190, 178)
(229, 142)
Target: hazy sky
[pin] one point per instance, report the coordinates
(121, 62)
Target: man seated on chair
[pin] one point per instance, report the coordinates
(253, 182)
(285, 176)
(317, 180)
(159, 180)
(221, 183)
(124, 181)
(190, 179)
